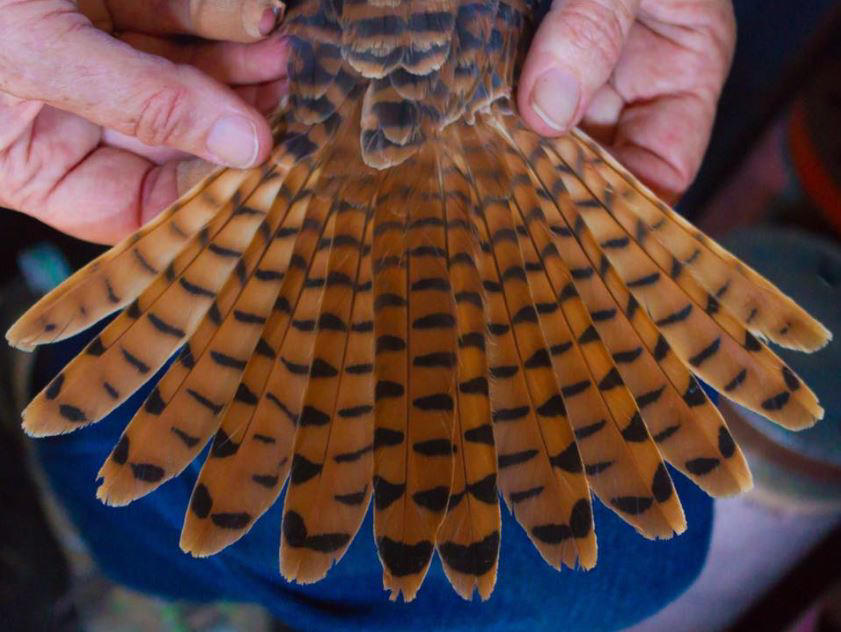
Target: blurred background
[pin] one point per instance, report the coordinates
(770, 190)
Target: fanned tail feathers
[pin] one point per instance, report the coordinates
(496, 314)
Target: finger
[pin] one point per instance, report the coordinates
(602, 114)
(97, 12)
(16, 115)
(157, 155)
(231, 20)
(663, 141)
(265, 97)
(113, 85)
(119, 193)
(107, 196)
(572, 55)
(227, 62)
(671, 73)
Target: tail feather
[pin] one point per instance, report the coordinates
(541, 475)
(115, 279)
(184, 410)
(415, 331)
(324, 509)
(140, 341)
(263, 415)
(623, 465)
(667, 262)
(666, 394)
(181, 413)
(746, 293)
(637, 456)
(722, 361)
(469, 538)
(207, 527)
(662, 388)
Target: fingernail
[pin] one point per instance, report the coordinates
(555, 97)
(233, 141)
(267, 21)
(260, 17)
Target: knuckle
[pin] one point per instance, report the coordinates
(725, 15)
(597, 28)
(23, 176)
(162, 115)
(683, 176)
(718, 29)
(726, 23)
(686, 167)
(23, 182)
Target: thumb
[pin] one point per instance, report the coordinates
(572, 55)
(113, 85)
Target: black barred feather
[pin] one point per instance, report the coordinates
(419, 301)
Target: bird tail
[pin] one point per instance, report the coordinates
(500, 313)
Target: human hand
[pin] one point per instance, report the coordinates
(641, 76)
(97, 131)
